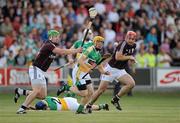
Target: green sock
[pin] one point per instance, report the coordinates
(80, 108)
(69, 94)
(101, 106)
(67, 87)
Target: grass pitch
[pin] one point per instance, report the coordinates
(141, 108)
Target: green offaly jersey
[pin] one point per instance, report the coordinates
(93, 57)
(86, 44)
(52, 102)
(78, 44)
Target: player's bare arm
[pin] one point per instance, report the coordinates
(66, 51)
(120, 57)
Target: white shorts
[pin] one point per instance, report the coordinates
(114, 73)
(74, 71)
(72, 103)
(37, 76)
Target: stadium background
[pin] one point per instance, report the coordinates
(24, 25)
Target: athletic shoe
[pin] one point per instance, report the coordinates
(21, 111)
(62, 88)
(17, 95)
(89, 108)
(116, 104)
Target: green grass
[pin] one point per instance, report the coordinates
(141, 108)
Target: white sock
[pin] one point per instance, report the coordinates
(23, 92)
(20, 91)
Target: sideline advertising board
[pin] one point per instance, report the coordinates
(169, 77)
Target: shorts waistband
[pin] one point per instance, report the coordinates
(36, 68)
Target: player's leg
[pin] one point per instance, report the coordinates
(82, 87)
(128, 83)
(105, 80)
(25, 92)
(18, 92)
(90, 89)
(101, 89)
(100, 107)
(37, 91)
(73, 88)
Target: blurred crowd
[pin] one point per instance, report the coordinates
(24, 25)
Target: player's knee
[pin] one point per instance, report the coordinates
(131, 84)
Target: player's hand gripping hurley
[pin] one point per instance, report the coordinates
(105, 56)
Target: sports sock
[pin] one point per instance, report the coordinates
(80, 108)
(101, 106)
(23, 107)
(67, 87)
(116, 98)
(23, 91)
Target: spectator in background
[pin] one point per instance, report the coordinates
(163, 59)
(2, 58)
(175, 53)
(170, 32)
(23, 16)
(16, 24)
(160, 31)
(82, 14)
(177, 22)
(139, 24)
(151, 58)
(71, 13)
(10, 39)
(24, 29)
(57, 2)
(10, 59)
(35, 24)
(141, 57)
(110, 34)
(6, 28)
(139, 40)
(113, 16)
(100, 7)
(44, 34)
(152, 37)
(30, 42)
(110, 48)
(29, 56)
(20, 58)
(166, 45)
